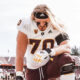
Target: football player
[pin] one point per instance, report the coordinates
(44, 43)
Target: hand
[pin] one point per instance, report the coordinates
(38, 59)
(19, 75)
(19, 78)
(40, 56)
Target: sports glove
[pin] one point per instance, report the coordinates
(51, 52)
(38, 59)
(58, 50)
(19, 78)
(41, 57)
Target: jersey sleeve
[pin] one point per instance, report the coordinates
(61, 37)
(22, 26)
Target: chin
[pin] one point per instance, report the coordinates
(42, 30)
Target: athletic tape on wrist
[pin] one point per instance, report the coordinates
(19, 73)
(52, 52)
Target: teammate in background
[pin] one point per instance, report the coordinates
(44, 42)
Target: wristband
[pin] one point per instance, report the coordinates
(48, 50)
(20, 73)
(51, 52)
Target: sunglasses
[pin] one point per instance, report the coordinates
(40, 15)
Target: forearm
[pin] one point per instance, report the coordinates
(19, 68)
(19, 58)
(64, 47)
(19, 63)
(62, 51)
(21, 47)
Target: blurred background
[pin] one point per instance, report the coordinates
(13, 10)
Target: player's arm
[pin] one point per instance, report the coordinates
(22, 42)
(64, 47)
(62, 41)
